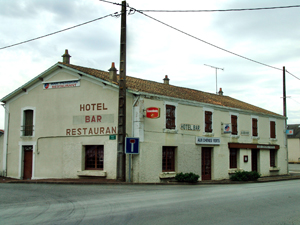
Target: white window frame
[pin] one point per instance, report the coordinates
(255, 137)
(274, 120)
(22, 120)
(165, 114)
(238, 118)
(212, 121)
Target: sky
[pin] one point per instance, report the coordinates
(154, 50)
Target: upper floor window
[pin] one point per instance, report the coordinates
(208, 121)
(234, 125)
(27, 127)
(170, 117)
(272, 129)
(254, 127)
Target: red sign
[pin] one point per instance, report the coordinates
(153, 112)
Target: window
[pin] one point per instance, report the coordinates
(272, 158)
(28, 123)
(254, 127)
(234, 125)
(170, 117)
(272, 129)
(233, 158)
(208, 121)
(168, 159)
(94, 157)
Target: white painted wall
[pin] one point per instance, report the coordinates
(294, 149)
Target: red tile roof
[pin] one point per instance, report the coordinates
(152, 87)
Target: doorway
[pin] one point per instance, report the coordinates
(206, 163)
(254, 153)
(28, 152)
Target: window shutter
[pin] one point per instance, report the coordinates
(234, 124)
(170, 117)
(272, 129)
(254, 127)
(208, 121)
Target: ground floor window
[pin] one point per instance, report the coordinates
(168, 159)
(233, 158)
(272, 158)
(94, 157)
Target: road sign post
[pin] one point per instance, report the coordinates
(131, 147)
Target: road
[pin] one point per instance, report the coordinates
(251, 203)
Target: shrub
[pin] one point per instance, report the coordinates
(245, 176)
(187, 177)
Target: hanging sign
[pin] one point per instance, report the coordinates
(153, 112)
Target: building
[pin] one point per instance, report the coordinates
(1, 150)
(294, 143)
(63, 124)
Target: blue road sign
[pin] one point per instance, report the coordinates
(132, 145)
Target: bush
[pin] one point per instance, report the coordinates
(187, 177)
(245, 176)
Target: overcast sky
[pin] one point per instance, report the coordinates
(155, 50)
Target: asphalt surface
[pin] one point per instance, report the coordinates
(244, 203)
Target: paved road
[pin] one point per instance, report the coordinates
(252, 203)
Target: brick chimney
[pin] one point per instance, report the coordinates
(66, 57)
(220, 92)
(113, 72)
(166, 80)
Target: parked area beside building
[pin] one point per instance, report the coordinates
(294, 143)
(64, 122)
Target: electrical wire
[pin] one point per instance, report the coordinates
(223, 10)
(207, 42)
(115, 3)
(69, 28)
(292, 75)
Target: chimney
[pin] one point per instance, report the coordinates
(220, 92)
(166, 80)
(113, 72)
(66, 57)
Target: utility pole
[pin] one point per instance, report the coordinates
(122, 99)
(216, 75)
(284, 93)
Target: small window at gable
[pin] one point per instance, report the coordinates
(27, 127)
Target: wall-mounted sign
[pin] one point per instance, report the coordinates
(62, 84)
(245, 133)
(208, 141)
(153, 112)
(192, 127)
(290, 132)
(226, 128)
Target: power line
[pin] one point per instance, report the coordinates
(69, 28)
(292, 75)
(115, 3)
(208, 42)
(223, 10)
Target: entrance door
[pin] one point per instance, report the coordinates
(28, 150)
(254, 159)
(206, 163)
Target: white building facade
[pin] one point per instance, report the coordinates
(63, 124)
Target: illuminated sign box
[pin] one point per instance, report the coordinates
(153, 112)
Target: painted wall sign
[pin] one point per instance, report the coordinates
(153, 112)
(103, 118)
(245, 133)
(62, 84)
(208, 141)
(192, 127)
(91, 131)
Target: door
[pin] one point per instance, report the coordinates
(28, 151)
(206, 163)
(254, 159)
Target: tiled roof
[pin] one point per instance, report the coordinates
(162, 89)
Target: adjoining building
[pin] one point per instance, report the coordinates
(294, 143)
(63, 124)
(1, 150)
